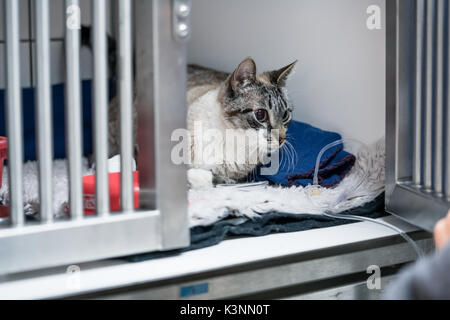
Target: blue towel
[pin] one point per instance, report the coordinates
(307, 142)
(59, 136)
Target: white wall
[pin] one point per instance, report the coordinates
(339, 83)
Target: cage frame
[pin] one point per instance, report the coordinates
(162, 222)
(416, 154)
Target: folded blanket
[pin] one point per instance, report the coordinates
(298, 158)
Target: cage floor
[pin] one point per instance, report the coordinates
(275, 260)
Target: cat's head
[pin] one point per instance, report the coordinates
(258, 101)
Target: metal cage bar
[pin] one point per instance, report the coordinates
(126, 104)
(44, 110)
(100, 105)
(438, 128)
(447, 103)
(161, 111)
(14, 113)
(73, 108)
(416, 101)
(427, 124)
(160, 55)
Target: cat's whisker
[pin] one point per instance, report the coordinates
(285, 157)
(288, 156)
(291, 164)
(296, 158)
(289, 153)
(294, 154)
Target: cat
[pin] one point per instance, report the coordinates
(243, 101)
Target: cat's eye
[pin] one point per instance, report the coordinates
(261, 115)
(286, 116)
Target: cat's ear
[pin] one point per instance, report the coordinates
(279, 77)
(244, 75)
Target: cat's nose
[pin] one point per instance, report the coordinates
(282, 140)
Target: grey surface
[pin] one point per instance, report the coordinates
(354, 291)
(277, 274)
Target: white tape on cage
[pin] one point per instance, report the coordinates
(44, 109)
(100, 105)
(73, 108)
(14, 112)
(126, 104)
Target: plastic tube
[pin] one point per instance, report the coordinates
(408, 239)
(348, 193)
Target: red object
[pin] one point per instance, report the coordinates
(4, 210)
(114, 192)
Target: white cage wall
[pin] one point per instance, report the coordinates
(339, 80)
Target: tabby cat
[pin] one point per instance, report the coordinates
(242, 101)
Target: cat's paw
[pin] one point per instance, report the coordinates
(200, 178)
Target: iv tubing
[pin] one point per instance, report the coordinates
(343, 197)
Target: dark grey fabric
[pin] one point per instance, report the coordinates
(273, 222)
(427, 279)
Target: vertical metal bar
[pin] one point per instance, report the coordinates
(161, 105)
(44, 109)
(100, 105)
(447, 104)
(145, 106)
(438, 145)
(14, 112)
(419, 84)
(391, 97)
(73, 108)
(126, 104)
(427, 143)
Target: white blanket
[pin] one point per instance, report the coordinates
(210, 205)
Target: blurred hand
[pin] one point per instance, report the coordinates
(442, 232)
